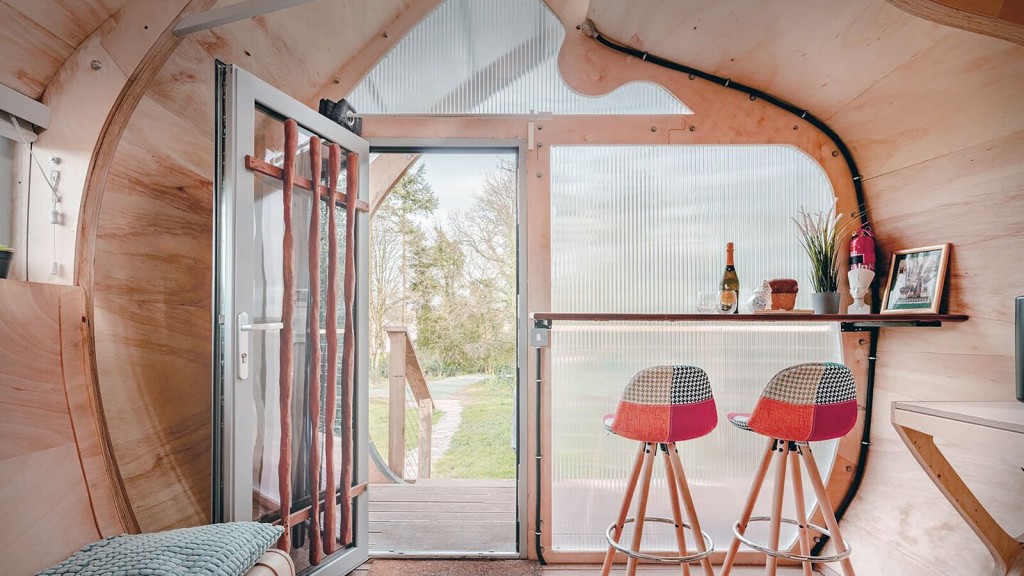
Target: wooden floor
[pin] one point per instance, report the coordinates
(443, 516)
(646, 570)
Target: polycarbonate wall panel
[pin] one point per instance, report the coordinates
(490, 57)
(643, 229)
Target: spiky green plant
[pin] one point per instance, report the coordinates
(819, 235)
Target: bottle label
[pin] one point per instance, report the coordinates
(727, 300)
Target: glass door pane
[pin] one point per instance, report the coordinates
(252, 295)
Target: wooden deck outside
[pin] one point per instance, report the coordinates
(438, 516)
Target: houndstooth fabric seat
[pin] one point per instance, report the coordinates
(816, 401)
(665, 404)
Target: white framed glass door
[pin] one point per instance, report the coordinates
(284, 457)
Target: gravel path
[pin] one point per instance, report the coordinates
(447, 399)
(446, 427)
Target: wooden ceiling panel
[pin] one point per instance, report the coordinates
(817, 55)
(32, 57)
(70, 20)
(281, 48)
(39, 35)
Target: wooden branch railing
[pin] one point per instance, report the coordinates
(405, 370)
(338, 487)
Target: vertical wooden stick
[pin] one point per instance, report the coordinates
(284, 467)
(348, 345)
(398, 342)
(426, 433)
(776, 518)
(826, 507)
(331, 399)
(641, 507)
(677, 517)
(627, 499)
(313, 341)
(748, 508)
(801, 510)
(691, 511)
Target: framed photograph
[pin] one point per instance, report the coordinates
(916, 279)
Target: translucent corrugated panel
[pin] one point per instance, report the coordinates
(491, 57)
(643, 229)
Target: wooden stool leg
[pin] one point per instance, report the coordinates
(691, 512)
(801, 512)
(748, 508)
(826, 506)
(609, 557)
(673, 495)
(641, 507)
(776, 518)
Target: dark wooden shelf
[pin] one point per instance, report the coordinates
(847, 321)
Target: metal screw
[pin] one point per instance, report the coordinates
(386, 35)
(692, 128)
(539, 175)
(654, 128)
(96, 65)
(835, 153)
(752, 97)
(539, 127)
(795, 127)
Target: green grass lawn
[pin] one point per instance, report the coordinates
(379, 426)
(481, 447)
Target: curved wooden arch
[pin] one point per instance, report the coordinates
(997, 18)
(147, 269)
(720, 116)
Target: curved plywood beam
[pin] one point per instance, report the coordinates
(146, 239)
(110, 136)
(997, 18)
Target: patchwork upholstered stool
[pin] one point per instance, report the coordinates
(660, 406)
(800, 404)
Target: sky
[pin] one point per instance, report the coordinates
(456, 176)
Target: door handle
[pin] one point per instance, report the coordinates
(268, 326)
(244, 327)
(242, 347)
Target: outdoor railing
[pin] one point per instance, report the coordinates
(405, 371)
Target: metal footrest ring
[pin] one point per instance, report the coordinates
(709, 544)
(789, 555)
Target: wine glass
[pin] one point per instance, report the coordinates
(708, 302)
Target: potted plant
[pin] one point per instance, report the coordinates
(6, 255)
(819, 235)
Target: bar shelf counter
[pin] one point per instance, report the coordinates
(848, 322)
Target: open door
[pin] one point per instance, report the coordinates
(290, 370)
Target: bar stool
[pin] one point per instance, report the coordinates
(660, 406)
(800, 404)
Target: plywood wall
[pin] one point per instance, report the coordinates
(935, 118)
(153, 269)
(941, 143)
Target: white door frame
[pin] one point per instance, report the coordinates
(239, 97)
(519, 147)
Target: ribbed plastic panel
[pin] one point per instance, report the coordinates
(643, 229)
(490, 57)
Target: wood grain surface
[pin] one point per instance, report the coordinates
(58, 490)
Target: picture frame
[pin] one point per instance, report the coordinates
(916, 279)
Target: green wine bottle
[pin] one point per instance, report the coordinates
(730, 286)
